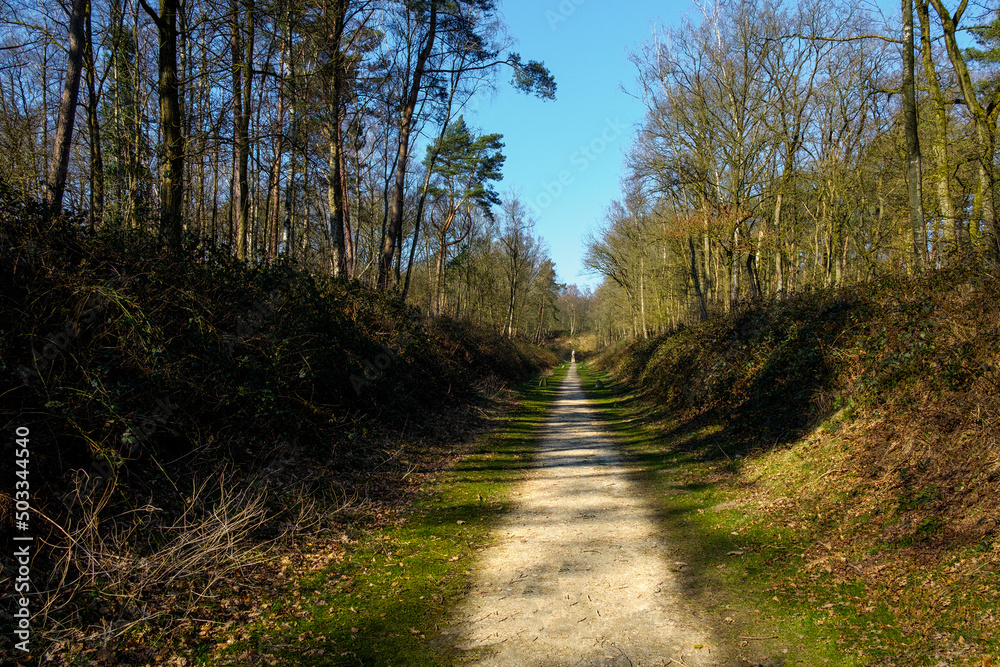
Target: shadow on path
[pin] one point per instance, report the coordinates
(580, 574)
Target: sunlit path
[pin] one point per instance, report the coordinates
(579, 575)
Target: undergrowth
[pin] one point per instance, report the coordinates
(847, 441)
(390, 596)
(191, 415)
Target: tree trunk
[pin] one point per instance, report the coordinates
(344, 207)
(172, 170)
(642, 295)
(248, 47)
(241, 133)
(290, 234)
(288, 222)
(172, 165)
(706, 257)
(778, 274)
(274, 178)
(423, 191)
(987, 143)
(439, 272)
(697, 283)
(541, 320)
(416, 225)
(913, 171)
(336, 195)
(136, 175)
(985, 119)
(94, 126)
(395, 223)
(939, 149)
(45, 116)
(510, 312)
(734, 272)
(59, 166)
(183, 63)
(334, 204)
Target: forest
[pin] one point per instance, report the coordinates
(801, 146)
(330, 134)
(283, 360)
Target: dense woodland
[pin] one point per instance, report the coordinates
(331, 133)
(792, 146)
(785, 147)
(260, 285)
(221, 226)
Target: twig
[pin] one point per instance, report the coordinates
(761, 637)
(624, 656)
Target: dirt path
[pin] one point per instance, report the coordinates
(580, 575)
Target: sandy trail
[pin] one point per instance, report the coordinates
(580, 574)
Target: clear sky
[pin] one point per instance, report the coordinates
(565, 156)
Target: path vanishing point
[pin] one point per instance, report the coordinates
(579, 573)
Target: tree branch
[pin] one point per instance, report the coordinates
(160, 23)
(852, 38)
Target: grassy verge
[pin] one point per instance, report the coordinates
(384, 599)
(773, 575)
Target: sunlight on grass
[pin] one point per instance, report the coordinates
(772, 552)
(756, 590)
(385, 603)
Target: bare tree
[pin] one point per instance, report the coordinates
(58, 167)
(984, 115)
(520, 249)
(172, 164)
(914, 173)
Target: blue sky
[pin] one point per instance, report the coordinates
(565, 156)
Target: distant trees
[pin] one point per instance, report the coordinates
(520, 257)
(783, 149)
(572, 309)
(461, 167)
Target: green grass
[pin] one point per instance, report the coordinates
(386, 603)
(761, 580)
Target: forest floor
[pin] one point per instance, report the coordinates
(581, 531)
